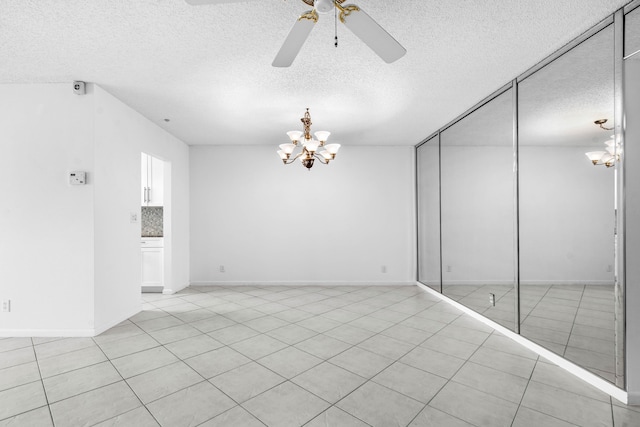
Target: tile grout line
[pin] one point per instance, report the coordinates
(573, 323)
(525, 391)
(129, 386)
(44, 390)
(368, 297)
(449, 380)
(368, 380)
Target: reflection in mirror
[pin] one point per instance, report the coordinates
(566, 206)
(631, 154)
(632, 32)
(428, 170)
(478, 211)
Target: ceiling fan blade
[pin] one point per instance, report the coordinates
(201, 2)
(296, 38)
(370, 32)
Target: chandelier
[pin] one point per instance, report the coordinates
(612, 153)
(309, 146)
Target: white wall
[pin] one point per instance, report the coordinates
(632, 229)
(428, 175)
(266, 222)
(120, 135)
(175, 154)
(477, 215)
(46, 225)
(70, 254)
(566, 217)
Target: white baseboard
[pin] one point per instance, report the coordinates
(124, 315)
(568, 282)
(633, 398)
(474, 282)
(307, 283)
(171, 291)
(47, 333)
(74, 333)
(522, 282)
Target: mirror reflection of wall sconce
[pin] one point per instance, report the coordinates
(612, 153)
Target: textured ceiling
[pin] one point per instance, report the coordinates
(208, 68)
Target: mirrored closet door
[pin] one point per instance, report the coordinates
(567, 205)
(477, 194)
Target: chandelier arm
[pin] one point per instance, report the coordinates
(322, 160)
(601, 122)
(288, 162)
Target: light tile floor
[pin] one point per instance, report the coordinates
(574, 321)
(292, 356)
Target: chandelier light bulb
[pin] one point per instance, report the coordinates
(595, 156)
(332, 148)
(287, 148)
(323, 6)
(312, 146)
(294, 135)
(322, 135)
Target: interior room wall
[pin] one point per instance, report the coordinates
(266, 222)
(71, 254)
(46, 225)
(477, 215)
(175, 154)
(121, 133)
(429, 210)
(567, 217)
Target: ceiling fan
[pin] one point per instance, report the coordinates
(356, 20)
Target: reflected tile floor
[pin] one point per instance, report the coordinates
(294, 356)
(574, 321)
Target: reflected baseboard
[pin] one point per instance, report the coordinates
(522, 282)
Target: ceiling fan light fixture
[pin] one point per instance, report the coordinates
(324, 6)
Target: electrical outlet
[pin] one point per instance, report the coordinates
(222, 269)
(383, 268)
(6, 306)
(449, 269)
(133, 217)
(492, 299)
(609, 268)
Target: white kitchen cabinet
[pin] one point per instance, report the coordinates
(152, 180)
(152, 264)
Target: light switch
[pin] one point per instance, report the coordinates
(77, 178)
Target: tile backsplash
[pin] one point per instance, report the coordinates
(151, 220)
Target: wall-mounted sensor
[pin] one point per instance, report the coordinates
(78, 88)
(77, 178)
